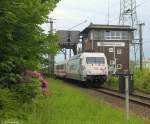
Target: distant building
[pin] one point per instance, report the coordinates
(113, 40)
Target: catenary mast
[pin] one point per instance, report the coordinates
(128, 16)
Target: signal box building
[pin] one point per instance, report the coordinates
(113, 40)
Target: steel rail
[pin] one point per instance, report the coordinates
(139, 99)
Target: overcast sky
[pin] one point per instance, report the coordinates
(72, 12)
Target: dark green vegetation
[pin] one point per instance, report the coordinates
(112, 82)
(68, 105)
(141, 80)
(22, 46)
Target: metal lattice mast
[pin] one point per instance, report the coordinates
(128, 14)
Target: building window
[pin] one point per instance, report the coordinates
(107, 35)
(116, 35)
(125, 35)
(119, 66)
(119, 51)
(96, 35)
(111, 50)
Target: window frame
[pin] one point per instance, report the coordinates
(111, 50)
(119, 51)
(94, 60)
(116, 35)
(119, 66)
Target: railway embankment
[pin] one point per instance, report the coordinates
(70, 105)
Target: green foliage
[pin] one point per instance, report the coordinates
(112, 82)
(26, 92)
(142, 79)
(22, 41)
(23, 44)
(8, 104)
(15, 103)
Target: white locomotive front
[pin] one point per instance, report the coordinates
(87, 67)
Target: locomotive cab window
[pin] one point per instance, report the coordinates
(95, 60)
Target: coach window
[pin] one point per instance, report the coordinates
(119, 51)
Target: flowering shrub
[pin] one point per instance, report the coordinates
(34, 74)
(44, 83)
(29, 88)
(31, 73)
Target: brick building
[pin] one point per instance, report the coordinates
(113, 40)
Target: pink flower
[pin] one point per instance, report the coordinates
(31, 73)
(36, 74)
(44, 83)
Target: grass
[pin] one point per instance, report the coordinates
(68, 105)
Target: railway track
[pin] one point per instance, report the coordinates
(143, 100)
(136, 98)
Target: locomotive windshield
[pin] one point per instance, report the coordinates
(95, 60)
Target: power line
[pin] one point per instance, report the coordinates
(78, 25)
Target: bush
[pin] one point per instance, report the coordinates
(142, 79)
(17, 99)
(8, 105)
(26, 92)
(112, 82)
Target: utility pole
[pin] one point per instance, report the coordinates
(141, 44)
(115, 60)
(51, 56)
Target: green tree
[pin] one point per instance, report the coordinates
(22, 41)
(23, 44)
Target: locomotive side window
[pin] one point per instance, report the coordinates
(95, 60)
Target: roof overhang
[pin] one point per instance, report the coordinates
(106, 27)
